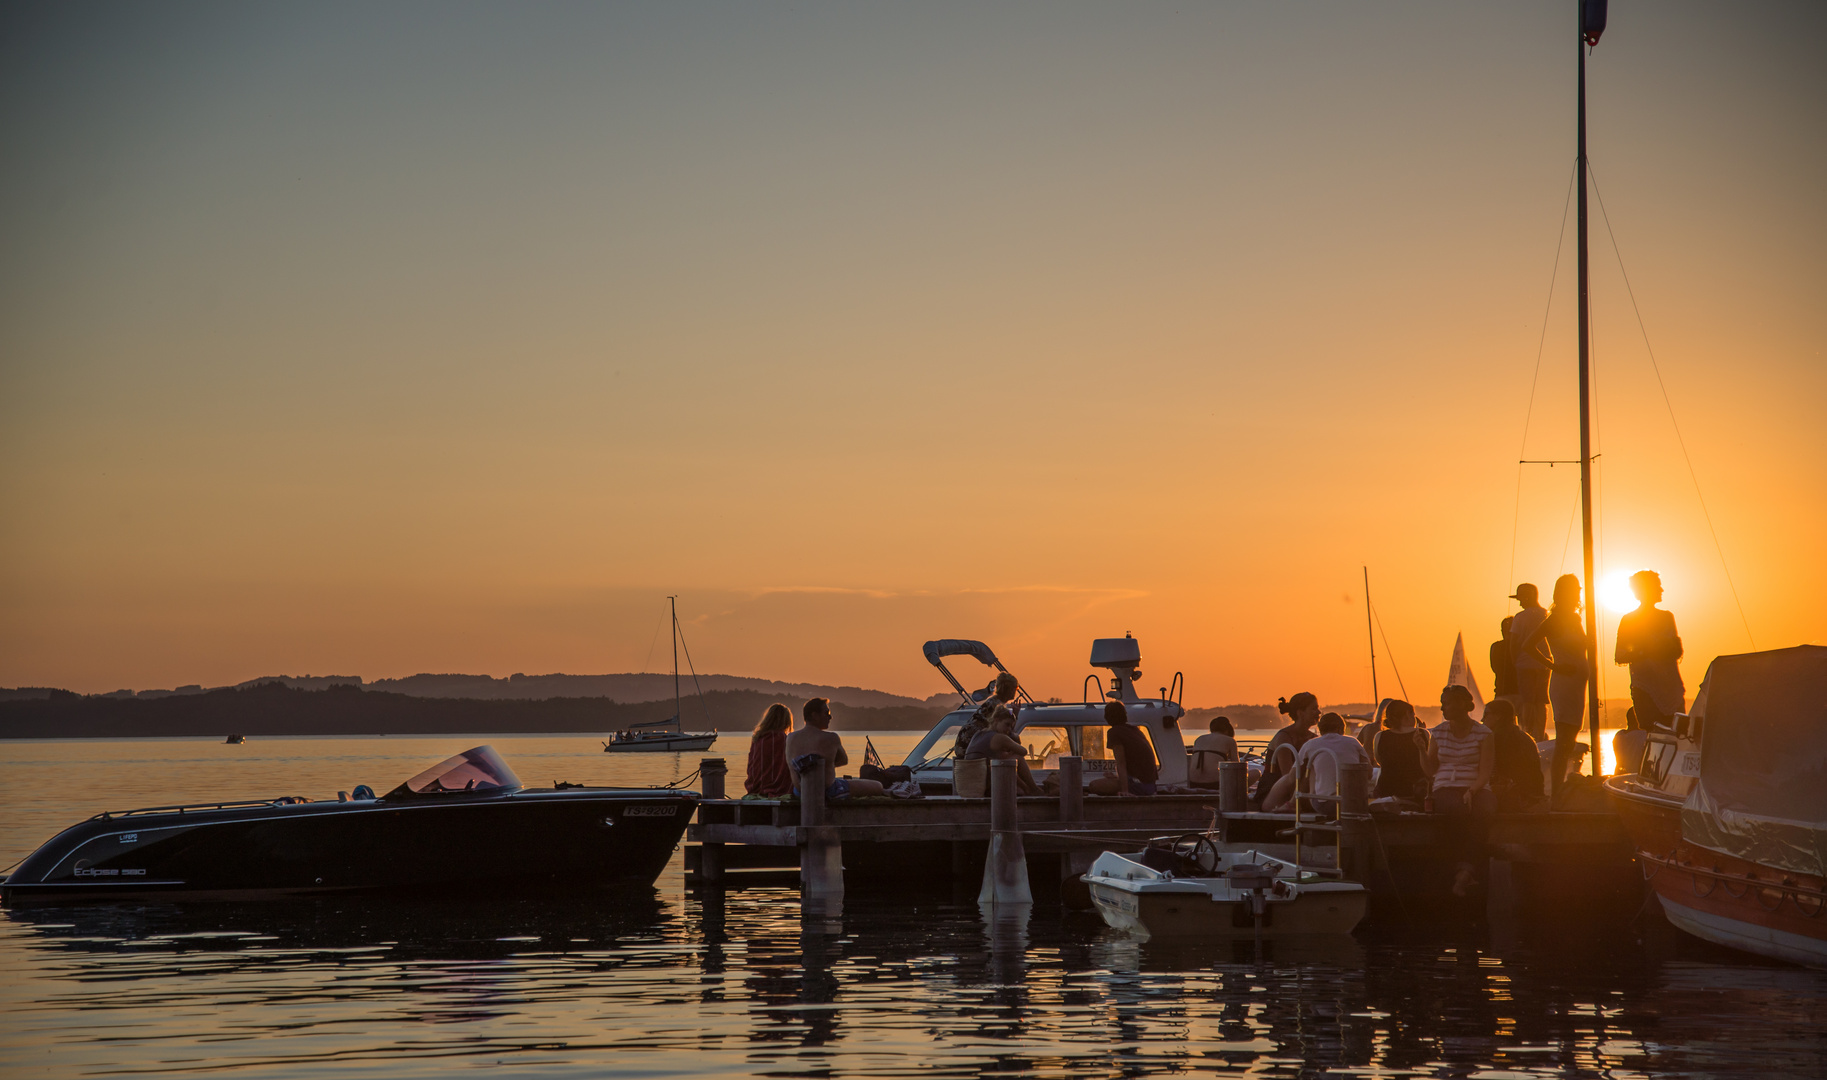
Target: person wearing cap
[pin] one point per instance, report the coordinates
(1531, 672)
(1647, 641)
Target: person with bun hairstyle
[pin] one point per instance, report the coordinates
(1302, 710)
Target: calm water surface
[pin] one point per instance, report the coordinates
(665, 983)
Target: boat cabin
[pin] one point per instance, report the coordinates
(1051, 730)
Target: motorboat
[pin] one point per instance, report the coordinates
(235, 740)
(465, 821)
(658, 737)
(1728, 812)
(1187, 887)
(1052, 729)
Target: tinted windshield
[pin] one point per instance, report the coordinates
(938, 741)
(480, 769)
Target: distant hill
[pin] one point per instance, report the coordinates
(273, 709)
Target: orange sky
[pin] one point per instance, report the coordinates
(382, 340)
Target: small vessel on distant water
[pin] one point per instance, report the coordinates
(466, 821)
(1729, 811)
(235, 740)
(659, 736)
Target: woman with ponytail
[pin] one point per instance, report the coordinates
(1302, 710)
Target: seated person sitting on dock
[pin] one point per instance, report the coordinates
(1003, 695)
(1516, 779)
(1461, 760)
(815, 740)
(1219, 745)
(768, 776)
(1400, 773)
(1303, 710)
(1320, 757)
(1136, 766)
(998, 743)
(1280, 797)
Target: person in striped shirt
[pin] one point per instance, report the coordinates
(1460, 760)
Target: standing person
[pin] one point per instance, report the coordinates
(1627, 746)
(1566, 638)
(1531, 673)
(1503, 664)
(1461, 760)
(1399, 748)
(1303, 711)
(1516, 776)
(1647, 641)
(816, 739)
(1136, 766)
(1003, 694)
(768, 776)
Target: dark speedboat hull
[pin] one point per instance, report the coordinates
(570, 837)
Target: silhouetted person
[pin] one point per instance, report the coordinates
(1461, 760)
(1562, 633)
(768, 775)
(1208, 750)
(1136, 766)
(1007, 686)
(1531, 673)
(1503, 664)
(1325, 752)
(1303, 710)
(814, 738)
(998, 743)
(1627, 746)
(1647, 641)
(1516, 776)
(1399, 748)
(1367, 734)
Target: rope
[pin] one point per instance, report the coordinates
(1669, 404)
(1535, 380)
(683, 780)
(1389, 651)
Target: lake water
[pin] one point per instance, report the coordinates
(912, 983)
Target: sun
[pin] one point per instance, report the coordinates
(1615, 594)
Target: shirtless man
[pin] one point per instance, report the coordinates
(815, 738)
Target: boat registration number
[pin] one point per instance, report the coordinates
(650, 811)
(1689, 764)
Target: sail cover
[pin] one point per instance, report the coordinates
(1762, 794)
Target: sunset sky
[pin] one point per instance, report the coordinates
(383, 338)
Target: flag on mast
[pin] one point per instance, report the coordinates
(870, 757)
(1460, 672)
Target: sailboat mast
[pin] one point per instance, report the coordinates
(676, 713)
(1592, 633)
(1376, 700)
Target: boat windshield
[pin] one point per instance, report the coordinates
(480, 769)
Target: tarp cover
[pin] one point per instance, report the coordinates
(1762, 794)
(938, 650)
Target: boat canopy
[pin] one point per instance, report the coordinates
(939, 650)
(477, 769)
(1762, 794)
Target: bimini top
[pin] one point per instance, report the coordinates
(938, 650)
(477, 769)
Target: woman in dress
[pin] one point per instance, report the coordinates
(1401, 774)
(768, 776)
(1565, 639)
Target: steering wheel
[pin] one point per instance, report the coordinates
(1199, 842)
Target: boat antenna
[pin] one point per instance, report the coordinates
(1591, 25)
(1376, 701)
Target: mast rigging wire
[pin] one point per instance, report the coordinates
(1391, 653)
(1670, 405)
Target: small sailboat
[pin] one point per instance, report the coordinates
(665, 736)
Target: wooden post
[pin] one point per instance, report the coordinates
(1355, 837)
(1005, 867)
(1354, 789)
(821, 854)
(711, 773)
(1233, 787)
(1071, 777)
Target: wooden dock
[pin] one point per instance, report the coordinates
(1565, 859)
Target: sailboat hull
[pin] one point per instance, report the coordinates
(665, 744)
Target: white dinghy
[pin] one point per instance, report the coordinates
(1186, 888)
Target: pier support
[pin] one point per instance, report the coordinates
(711, 774)
(1071, 777)
(821, 854)
(1005, 867)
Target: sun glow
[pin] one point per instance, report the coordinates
(1615, 594)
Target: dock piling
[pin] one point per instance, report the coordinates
(711, 774)
(1233, 787)
(821, 853)
(1005, 867)
(1071, 777)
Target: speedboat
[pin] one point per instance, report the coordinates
(659, 736)
(1728, 812)
(1187, 888)
(465, 821)
(1050, 730)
